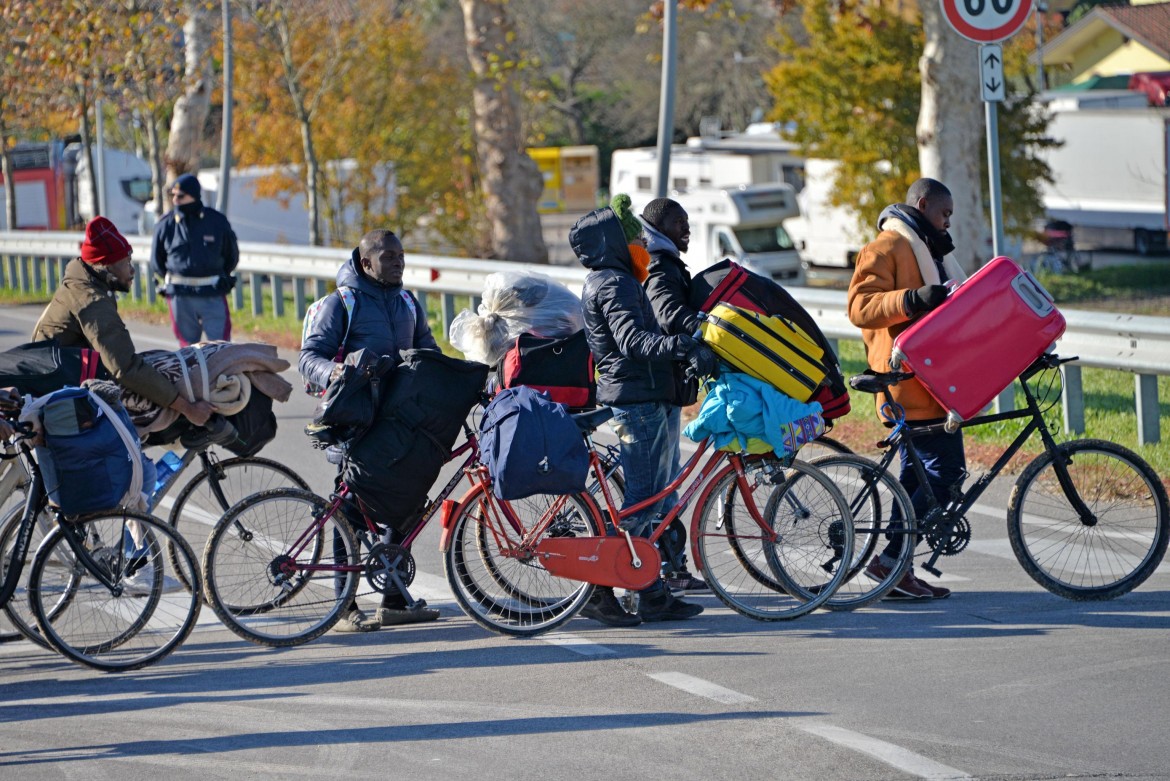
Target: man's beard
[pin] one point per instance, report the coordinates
(116, 284)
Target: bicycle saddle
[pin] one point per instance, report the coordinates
(874, 382)
(589, 422)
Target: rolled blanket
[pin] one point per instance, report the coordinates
(224, 373)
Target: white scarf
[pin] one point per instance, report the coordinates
(926, 264)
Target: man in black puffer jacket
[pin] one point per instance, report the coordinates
(667, 229)
(635, 376)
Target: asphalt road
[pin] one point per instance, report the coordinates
(1003, 680)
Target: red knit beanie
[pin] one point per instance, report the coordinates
(103, 245)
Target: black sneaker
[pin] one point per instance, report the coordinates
(685, 581)
(667, 607)
(604, 607)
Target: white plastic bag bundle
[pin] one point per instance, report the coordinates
(514, 304)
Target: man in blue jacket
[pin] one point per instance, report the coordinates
(384, 317)
(194, 254)
(635, 376)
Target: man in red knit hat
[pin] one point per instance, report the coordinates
(84, 313)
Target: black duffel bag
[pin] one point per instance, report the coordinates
(424, 404)
(39, 368)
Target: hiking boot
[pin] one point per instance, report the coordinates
(356, 621)
(603, 606)
(396, 616)
(685, 581)
(667, 607)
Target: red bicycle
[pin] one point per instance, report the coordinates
(768, 534)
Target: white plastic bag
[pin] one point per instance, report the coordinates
(514, 304)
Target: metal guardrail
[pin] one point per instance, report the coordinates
(1119, 342)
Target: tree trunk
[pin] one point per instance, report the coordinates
(950, 131)
(511, 181)
(9, 185)
(87, 150)
(185, 146)
(312, 183)
(158, 181)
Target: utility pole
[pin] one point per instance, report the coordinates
(666, 99)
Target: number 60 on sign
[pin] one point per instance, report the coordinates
(986, 21)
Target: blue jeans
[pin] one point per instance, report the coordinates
(191, 316)
(945, 464)
(648, 434)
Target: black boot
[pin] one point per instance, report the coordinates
(604, 607)
(658, 604)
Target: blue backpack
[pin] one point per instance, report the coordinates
(85, 461)
(530, 445)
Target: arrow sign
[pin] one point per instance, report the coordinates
(991, 72)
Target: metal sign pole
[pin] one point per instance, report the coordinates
(993, 176)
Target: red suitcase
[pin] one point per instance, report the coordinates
(990, 328)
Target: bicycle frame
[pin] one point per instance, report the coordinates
(603, 560)
(963, 501)
(470, 446)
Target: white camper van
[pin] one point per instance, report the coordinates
(744, 223)
(822, 234)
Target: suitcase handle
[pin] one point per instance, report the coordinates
(1032, 294)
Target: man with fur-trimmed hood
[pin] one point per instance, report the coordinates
(900, 276)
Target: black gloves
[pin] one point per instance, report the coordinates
(702, 362)
(924, 299)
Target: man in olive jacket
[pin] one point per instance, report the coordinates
(84, 313)
(899, 277)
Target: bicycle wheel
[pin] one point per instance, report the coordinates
(18, 611)
(785, 567)
(1117, 548)
(499, 583)
(530, 511)
(139, 622)
(263, 585)
(823, 446)
(211, 493)
(875, 496)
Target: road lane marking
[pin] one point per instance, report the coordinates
(893, 755)
(702, 688)
(577, 644)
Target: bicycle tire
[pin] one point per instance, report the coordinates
(772, 581)
(533, 601)
(1131, 521)
(823, 446)
(197, 507)
(872, 493)
(18, 610)
(122, 629)
(611, 469)
(281, 607)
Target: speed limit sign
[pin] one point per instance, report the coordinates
(986, 21)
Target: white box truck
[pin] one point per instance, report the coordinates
(1110, 179)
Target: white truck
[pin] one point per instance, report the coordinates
(1110, 176)
(53, 190)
